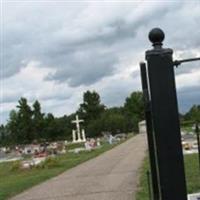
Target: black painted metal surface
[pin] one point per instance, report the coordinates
(150, 136)
(165, 119)
(198, 141)
(178, 62)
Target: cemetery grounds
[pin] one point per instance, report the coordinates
(14, 180)
(192, 177)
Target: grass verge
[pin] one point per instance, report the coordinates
(13, 182)
(192, 177)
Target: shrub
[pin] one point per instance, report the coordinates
(50, 162)
(16, 165)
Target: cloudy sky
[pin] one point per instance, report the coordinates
(53, 51)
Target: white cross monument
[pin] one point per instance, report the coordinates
(77, 121)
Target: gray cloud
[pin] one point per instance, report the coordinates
(85, 43)
(85, 68)
(187, 97)
(54, 42)
(188, 66)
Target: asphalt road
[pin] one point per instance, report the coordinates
(110, 176)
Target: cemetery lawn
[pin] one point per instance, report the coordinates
(13, 182)
(192, 176)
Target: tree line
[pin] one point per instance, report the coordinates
(191, 117)
(28, 124)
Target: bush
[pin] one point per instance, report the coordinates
(50, 162)
(16, 165)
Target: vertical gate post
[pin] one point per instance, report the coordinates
(198, 140)
(165, 118)
(150, 135)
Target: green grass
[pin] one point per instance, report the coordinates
(142, 193)
(13, 182)
(192, 173)
(192, 177)
(75, 145)
(187, 129)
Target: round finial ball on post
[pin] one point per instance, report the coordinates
(156, 36)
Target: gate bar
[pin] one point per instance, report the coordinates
(150, 137)
(178, 62)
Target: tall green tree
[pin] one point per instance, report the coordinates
(49, 127)
(91, 108)
(38, 120)
(109, 121)
(134, 109)
(25, 120)
(3, 134)
(13, 127)
(193, 114)
(64, 127)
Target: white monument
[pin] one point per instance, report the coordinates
(78, 135)
(142, 126)
(83, 135)
(73, 136)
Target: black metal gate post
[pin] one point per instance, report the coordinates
(165, 119)
(198, 141)
(150, 136)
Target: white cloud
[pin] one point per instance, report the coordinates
(189, 79)
(55, 51)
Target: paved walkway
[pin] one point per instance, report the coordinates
(110, 176)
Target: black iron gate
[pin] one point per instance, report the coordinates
(162, 120)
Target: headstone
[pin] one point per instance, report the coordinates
(92, 143)
(38, 160)
(88, 146)
(110, 139)
(98, 142)
(77, 150)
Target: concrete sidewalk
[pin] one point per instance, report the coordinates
(110, 176)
